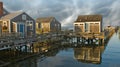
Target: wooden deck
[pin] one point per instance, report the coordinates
(92, 35)
(88, 35)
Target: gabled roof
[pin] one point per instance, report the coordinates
(11, 15)
(89, 18)
(44, 19)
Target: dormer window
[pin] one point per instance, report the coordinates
(23, 17)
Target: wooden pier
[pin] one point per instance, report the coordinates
(43, 44)
(86, 38)
(90, 38)
(80, 38)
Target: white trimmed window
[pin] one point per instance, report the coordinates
(4, 23)
(23, 17)
(30, 24)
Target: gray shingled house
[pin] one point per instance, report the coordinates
(18, 22)
(47, 24)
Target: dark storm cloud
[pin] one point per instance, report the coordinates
(66, 11)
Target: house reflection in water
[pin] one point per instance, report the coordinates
(89, 54)
(51, 49)
(39, 47)
(119, 32)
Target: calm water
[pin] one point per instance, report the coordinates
(107, 55)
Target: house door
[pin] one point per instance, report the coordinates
(21, 29)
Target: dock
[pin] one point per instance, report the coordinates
(81, 38)
(33, 48)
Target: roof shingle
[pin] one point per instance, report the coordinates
(11, 15)
(89, 18)
(44, 19)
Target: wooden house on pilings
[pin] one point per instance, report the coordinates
(88, 28)
(88, 24)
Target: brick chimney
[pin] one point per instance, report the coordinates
(1, 8)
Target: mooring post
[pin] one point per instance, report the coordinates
(25, 48)
(20, 48)
(103, 41)
(88, 40)
(32, 48)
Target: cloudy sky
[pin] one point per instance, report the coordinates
(66, 11)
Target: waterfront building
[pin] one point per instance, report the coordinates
(16, 22)
(88, 24)
(47, 24)
(109, 28)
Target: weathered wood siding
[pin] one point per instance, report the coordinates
(55, 26)
(28, 18)
(14, 27)
(94, 27)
